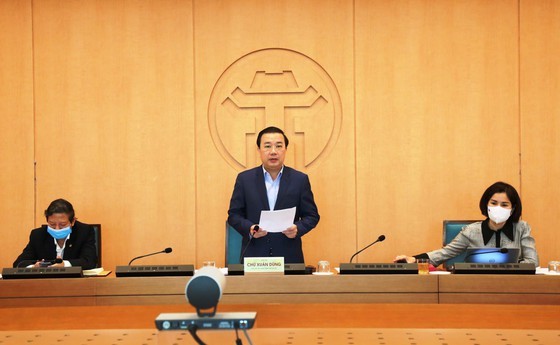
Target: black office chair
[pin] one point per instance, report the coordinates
(97, 234)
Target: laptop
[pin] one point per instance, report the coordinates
(492, 255)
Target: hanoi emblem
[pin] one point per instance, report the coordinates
(275, 87)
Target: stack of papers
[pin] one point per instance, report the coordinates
(96, 272)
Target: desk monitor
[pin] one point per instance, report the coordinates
(492, 255)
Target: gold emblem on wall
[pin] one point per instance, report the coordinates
(275, 87)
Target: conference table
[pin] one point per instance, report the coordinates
(393, 288)
(291, 309)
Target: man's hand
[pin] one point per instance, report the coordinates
(257, 232)
(291, 232)
(60, 264)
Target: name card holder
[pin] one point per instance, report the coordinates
(264, 265)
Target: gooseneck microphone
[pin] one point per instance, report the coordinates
(166, 251)
(497, 250)
(379, 239)
(256, 228)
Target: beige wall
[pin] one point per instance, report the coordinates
(256, 25)
(438, 99)
(17, 128)
(436, 81)
(540, 122)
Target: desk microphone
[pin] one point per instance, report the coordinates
(47, 262)
(379, 239)
(166, 251)
(497, 250)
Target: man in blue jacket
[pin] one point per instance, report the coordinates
(272, 186)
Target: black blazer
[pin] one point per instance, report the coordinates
(80, 247)
(249, 199)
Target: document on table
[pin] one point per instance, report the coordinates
(277, 221)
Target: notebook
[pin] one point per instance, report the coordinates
(492, 255)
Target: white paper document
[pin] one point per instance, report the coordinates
(277, 221)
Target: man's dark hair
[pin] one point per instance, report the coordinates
(271, 130)
(60, 206)
(502, 187)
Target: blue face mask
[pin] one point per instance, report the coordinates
(59, 234)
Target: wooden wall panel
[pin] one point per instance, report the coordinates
(16, 123)
(114, 100)
(436, 116)
(540, 123)
(320, 30)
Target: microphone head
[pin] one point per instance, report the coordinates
(168, 250)
(381, 238)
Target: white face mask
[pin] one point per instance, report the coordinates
(499, 214)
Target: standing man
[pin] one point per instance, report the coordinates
(272, 186)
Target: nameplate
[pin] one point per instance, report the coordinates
(289, 269)
(42, 272)
(264, 265)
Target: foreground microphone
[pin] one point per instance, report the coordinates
(204, 290)
(497, 250)
(379, 239)
(166, 251)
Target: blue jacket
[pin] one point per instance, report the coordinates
(79, 251)
(249, 199)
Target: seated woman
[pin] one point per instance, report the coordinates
(63, 238)
(502, 228)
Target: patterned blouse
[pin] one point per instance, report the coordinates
(478, 235)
